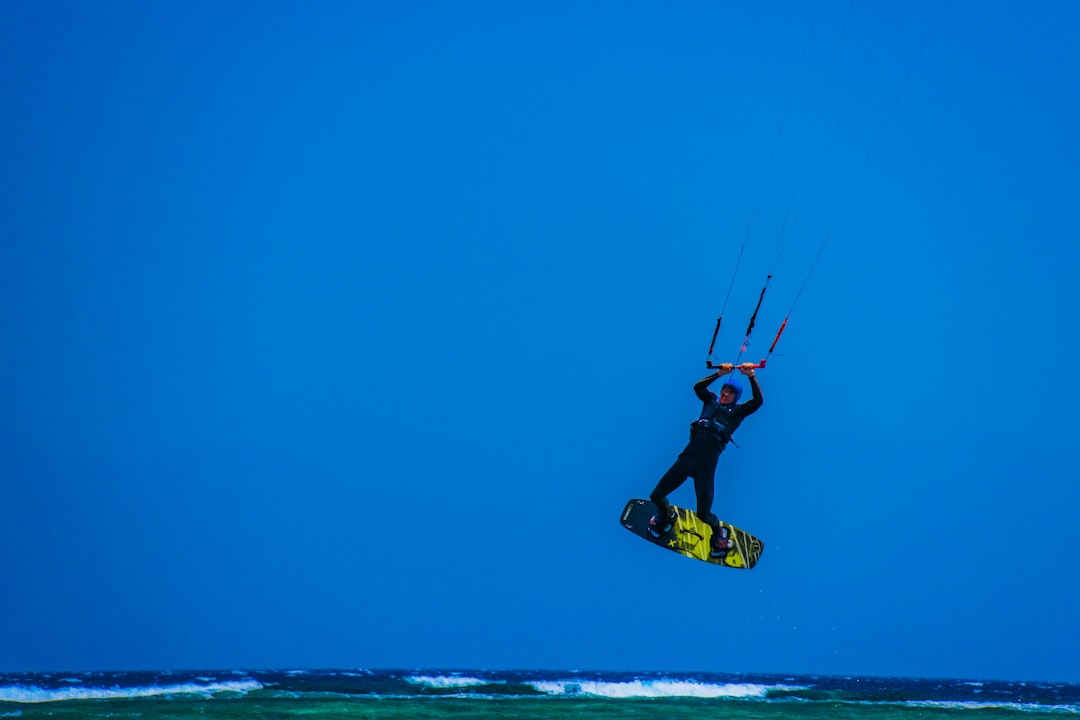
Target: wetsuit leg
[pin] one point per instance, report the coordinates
(704, 484)
(672, 479)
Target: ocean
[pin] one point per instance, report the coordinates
(562, 695)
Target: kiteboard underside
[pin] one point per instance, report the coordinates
(690, 536)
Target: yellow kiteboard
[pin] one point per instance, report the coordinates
(690, 536)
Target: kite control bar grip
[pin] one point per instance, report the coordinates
(749, 366)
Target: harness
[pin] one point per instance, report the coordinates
(708, 423)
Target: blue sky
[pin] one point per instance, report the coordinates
(337, 335)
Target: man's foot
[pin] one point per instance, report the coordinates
(661, 523)
(720, 543)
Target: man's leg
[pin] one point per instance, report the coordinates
(704, 484)
(669, 483)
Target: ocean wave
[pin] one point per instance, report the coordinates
(656, 689)
(976, 705)
(448, 681)
(32, 694)
(961, 697)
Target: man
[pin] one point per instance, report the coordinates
(720, 416)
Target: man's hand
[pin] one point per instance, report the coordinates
(724, 369)
(747, 369)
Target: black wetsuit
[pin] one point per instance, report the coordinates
(708, 436)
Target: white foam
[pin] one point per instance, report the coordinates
(31, 694)
(656, 689)
(447, 681)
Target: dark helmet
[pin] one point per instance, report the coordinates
(733, 382)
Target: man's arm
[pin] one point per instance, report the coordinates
(754, 402)
(701, 389)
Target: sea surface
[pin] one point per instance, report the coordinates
(467, 694)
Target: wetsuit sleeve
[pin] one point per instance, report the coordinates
(754, 402)
(701, 389)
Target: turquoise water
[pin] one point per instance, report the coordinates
(422, 694)
(445, 708)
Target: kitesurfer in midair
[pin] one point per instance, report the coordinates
(709, 434)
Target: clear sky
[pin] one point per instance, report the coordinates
(337, 334)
